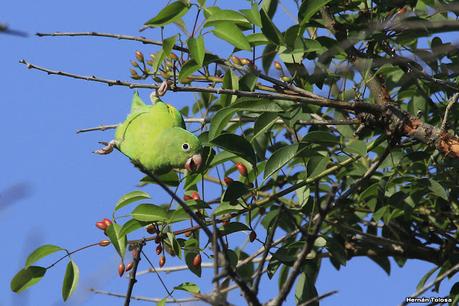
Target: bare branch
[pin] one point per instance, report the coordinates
(132, 274)
(145, 299)
(318, 298)
(451, 102)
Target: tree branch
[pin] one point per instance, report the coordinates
(132, 274)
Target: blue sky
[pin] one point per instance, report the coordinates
(67, 189)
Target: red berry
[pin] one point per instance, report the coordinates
(162, 261)
(104, 243)
(228, 181)
(242, 169)
(107, 222)
(151, 229)
(101, 225)
(197, 261)
(158, 239)
(121, 269)
(226, 222)
(159, 249)
(195, 196)
(187, 197)
(129, 266)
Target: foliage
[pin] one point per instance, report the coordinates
(316, 134)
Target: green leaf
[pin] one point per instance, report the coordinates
(202, 3)
(231, 16)
(234, 227)
(26, 278)
(270, 7)
(168, 44)
(162, 302)
(270, 30)
(189, 287)
(169, 14)
(175, 244)
(305, 290)
(309, 8)
(269, 53)
(150, 213)
(219, 121)
(71, 277)
(253, 15)
(234, 191)
(424, 279)
(257, 39)
(131, 197)
(197, 49)
(231, 33)
(187, 69)
(236, 144)
(383, 262)
(317, 164)
(225, 208)
(118, 240)
(279, 159)
(230, 81)
(170, 179)
(320, 137)
(263, 124)
(191, 249)
(131, 226)
(257, 105)
(41, 252)
(356, 147)
(438, 190)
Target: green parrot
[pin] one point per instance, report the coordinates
(155, 138)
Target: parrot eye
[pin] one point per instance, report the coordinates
(185, 147)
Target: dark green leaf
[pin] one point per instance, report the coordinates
(131, 226)
(269, 53)
(257, 105)
(234, 227)
(270, 30)
(424, 279)
(219, 121)
(356, 147)
(236, 144)
(26, 278)
(263, 124)
(41, 252)
(130, 198)
(71, 277)
(309, 8)
(170, 179)
(169, 14)
(233, 17)
(438, 190)
(279, 159)
(234, 191)
(383, 262)
(320, 137)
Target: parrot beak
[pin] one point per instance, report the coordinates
(193, 163)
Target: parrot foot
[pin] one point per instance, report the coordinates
(107, 149)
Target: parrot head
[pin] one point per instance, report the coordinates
(181, 149)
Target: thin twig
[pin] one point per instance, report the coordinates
(157, 274)
(132, 274)
(241, 119)
(145, 299)
(318, 298)
(451, 102)
(307, 248)
(431, 284)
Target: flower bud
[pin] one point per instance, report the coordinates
(121, 269)
(195, 196)
(162, 261)
(104, 243)
(277, 65)
(134, 64)
(242, 169)
(158, 239)
(101, 225)
(173, 56)
(129, 266)
(228, 181)
(159, 249)
(236, 60)
(245, 61)
(107, 222)
(187, 197)
(139, 56)
(151, 229)
(188, 233)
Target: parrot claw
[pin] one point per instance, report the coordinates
(107, 149)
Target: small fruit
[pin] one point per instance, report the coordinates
(159, 249)
(101, 225)
(139, 56)
(245, 61)
(195, 196)
(252, 236)
(121, 269)
(236, 60)
(104, 243)
(162, 261)
(228, 181)
(173, 56)
(188, 233)
(286, 78)
(129, 266)
(197, 261)
(107, 222)
(158, 239)
(187, 197)
(151, 229)
(277, 65)
(134, 64)
(226, 223)
(242, 169)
